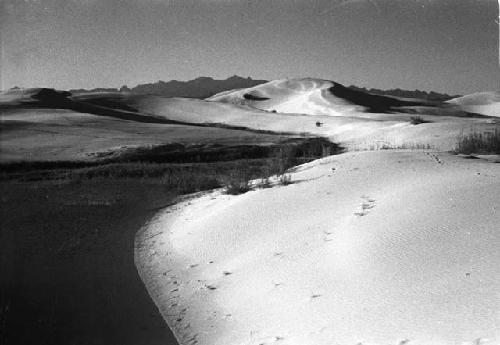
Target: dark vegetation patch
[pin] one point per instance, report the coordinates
(251, 97)
(148, 161)
(68, 229)
(374, 103)
(416, 120)
(479, 143)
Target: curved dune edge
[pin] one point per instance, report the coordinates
(387, 247)
(302, 95)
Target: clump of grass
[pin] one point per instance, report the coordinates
(186, 171)
(237, 182)
(487, 142)
(265, 183)
(402, 146)
(285, 179)
(416, 120)
(278, 162)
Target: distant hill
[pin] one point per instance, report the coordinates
(484, 103)
(205, 87)
(315, 97)
(202, 87)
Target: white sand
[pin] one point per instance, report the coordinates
(355, 129)
(485, 103)
(304, 95)
(56, 134)
(389, 246)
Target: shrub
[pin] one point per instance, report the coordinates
(236, 181)
(265, 183)
(236, 186)
(488, 142)
(416, 120)
(285, 179)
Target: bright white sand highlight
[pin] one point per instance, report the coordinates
(486, 103)
(357, 130)
(372, 247)
(304, 96)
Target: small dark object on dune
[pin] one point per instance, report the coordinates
(251, 97)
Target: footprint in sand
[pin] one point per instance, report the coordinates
(367, 204)
(434, 157)
(327, 236)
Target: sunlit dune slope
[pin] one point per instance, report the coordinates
(486, 103)
(364, 247)
(56, 128)
(358, 130)
(310, 96)
(104, 121)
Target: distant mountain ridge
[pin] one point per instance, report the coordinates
(201, 87)
(429, 96)
(204, 87)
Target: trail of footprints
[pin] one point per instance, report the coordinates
(367, 204)
(365, 208)
(434, 157)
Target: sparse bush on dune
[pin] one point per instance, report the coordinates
(282, 160)
(285, 179)
(401, 146)
(265, 183)
(416, 120)
(488, 142)
(237, 182)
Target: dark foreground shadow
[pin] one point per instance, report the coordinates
(67, 265)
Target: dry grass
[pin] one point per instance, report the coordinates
(487, 142)
(180, 169)
(401, 146)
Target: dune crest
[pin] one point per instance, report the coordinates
(485, 103)
(311, 96)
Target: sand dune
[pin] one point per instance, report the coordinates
(371, 247)
(486, 103)
(307, 96)
(100, 120)
(313, 97)
(94, 126)
(357, 130)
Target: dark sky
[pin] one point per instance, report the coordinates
(442, 45)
